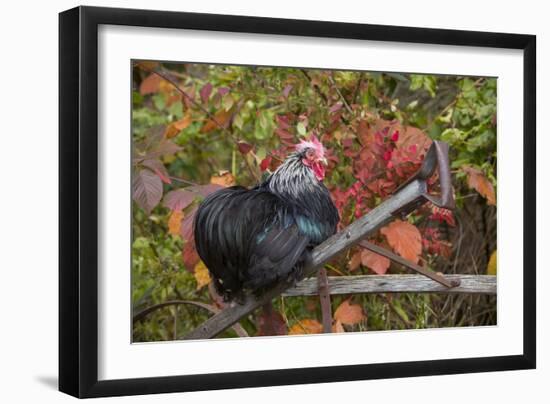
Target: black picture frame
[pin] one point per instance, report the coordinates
(78, 196)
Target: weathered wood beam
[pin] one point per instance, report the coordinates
(411, 194)
(341, 285)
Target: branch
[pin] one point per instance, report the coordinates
(343, 285)
(409, 195)
(344, 101)
(315, 86)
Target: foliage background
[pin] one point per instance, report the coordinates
(197, 127)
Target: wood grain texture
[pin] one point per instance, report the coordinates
(341, 285)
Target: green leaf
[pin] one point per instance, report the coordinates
(137, 98)
(430, 85)
(159, 101)
(261, 153)
(453, 136)
(301, 128)
(238, 121)
(176, 109)
(417, 81)
(264, 125)
(228, 101)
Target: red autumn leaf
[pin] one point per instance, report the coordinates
(164, 148)
(348, 313)
(147, 189)
(404, 238)
(351, 153)
(336, 107)
(205, 92)
(284, 134)
(442, 215)
(159, 169)
(265, 163)
(244, 147)
(376, 262)
(347, 142)
(204, 190)
(150, 84)
(189, 255)
(179, 199)
(364, 133)
(478, 181)
(189, 98)
(282, 122)
(223, 90)
(271, 322)
(287, 90)
(378, 139)
(186, 229)
(410, 136)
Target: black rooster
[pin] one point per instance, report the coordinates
(251, 238)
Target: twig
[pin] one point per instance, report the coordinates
(184, 181)
(315, 86)
(333, 84)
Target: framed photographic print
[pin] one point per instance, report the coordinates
(251, 201)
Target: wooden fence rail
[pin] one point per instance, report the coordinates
(341, 285)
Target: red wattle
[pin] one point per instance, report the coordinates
(319, 170)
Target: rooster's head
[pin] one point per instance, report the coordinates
(312, 154)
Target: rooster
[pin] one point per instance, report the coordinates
(251, 239)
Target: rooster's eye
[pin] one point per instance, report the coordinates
(310, 154)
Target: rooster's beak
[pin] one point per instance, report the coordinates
(323, 161)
